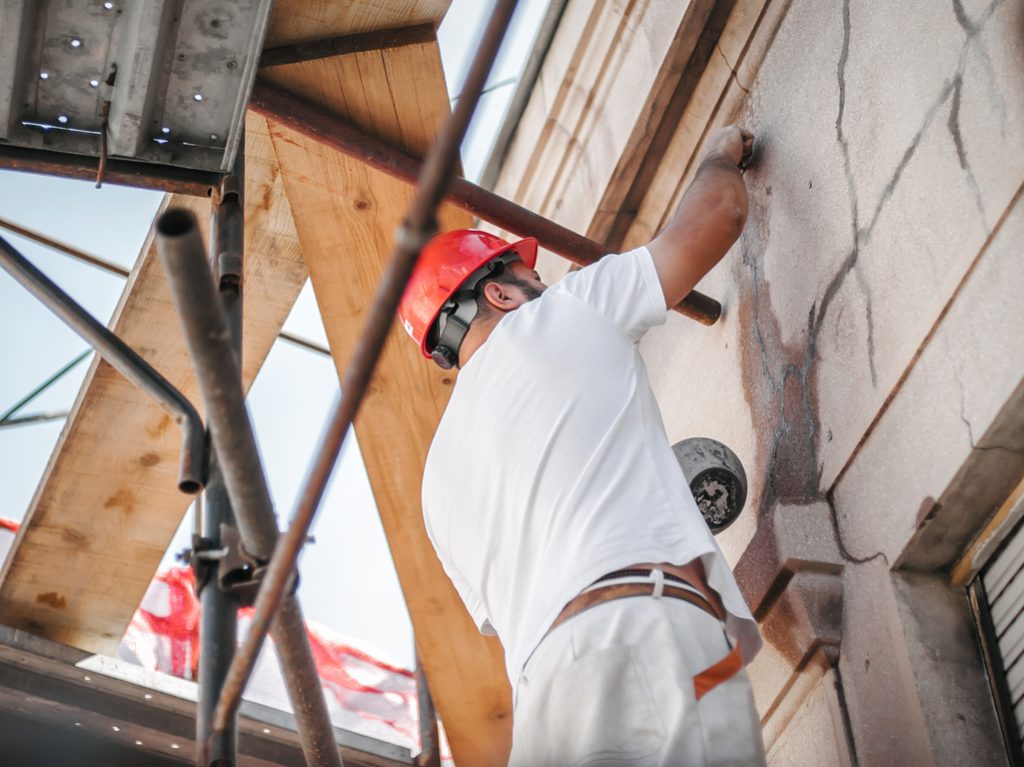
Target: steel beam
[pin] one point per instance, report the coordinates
(217, 369)
(116, 701)
(309, 120)
(122, 357)
(339, 46)
(420, 225)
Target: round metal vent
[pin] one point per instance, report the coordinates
(716, 479)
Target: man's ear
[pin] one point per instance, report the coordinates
(499, 298)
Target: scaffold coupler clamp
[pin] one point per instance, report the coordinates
(238, 572)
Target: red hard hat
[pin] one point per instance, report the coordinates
(445, 263)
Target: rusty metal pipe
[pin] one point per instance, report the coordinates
(218, 372)
(309, 120)
(166, 178)
(218, 620)
(61, 247)
(438, 170)
(119, 271)
(123, 358)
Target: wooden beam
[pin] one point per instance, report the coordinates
(346, 214)
(108, 505)
(681, 70)
(612, 88)
(716, 99)
(345, 44)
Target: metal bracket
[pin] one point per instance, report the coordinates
(238, 572)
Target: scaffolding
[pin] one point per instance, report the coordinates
(238, 555)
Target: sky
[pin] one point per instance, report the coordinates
(348, 577)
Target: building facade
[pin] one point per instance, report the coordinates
(867, 367)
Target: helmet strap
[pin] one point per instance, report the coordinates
(460, 310)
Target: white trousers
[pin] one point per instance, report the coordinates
(614, 686)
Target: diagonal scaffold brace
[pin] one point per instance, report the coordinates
(438, 169)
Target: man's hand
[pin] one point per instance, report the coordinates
(731, 144)
(709, 218)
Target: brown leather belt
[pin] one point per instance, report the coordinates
(597, 596)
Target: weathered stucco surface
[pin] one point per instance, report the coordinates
(887, 156)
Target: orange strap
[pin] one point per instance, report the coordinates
(722, 671)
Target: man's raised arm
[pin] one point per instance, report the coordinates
(709, 218)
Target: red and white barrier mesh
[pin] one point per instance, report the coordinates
(364, 694)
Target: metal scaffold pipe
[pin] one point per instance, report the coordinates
(122, 357)
(437, 173)
(218, 373)
(328, 129)
(219, 605)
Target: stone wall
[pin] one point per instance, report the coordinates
(868, 368)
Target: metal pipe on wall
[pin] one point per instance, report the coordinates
(218, 372)
(122, 357)
(420, 225)
(311, 121)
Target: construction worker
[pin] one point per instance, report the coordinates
(555, 504)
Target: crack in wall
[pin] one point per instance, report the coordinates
(785, 407)
(850, 262)
(847, 555)
(735, 77)
(967, 422)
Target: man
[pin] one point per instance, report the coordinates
(555, 504)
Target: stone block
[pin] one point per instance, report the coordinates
(951, 681)
(886, 720)
(790, 576)
(806, 741)
(793, 538)
(802, 631)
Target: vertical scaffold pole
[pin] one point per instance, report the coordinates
(218, 621)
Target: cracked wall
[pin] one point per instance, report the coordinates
(854, 363)
(866, 368)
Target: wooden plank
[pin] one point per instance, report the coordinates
(346, 215)
(605, 95)
(293, 21)
(716, 100)
(108, 503)
(693, 45)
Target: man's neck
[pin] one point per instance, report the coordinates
(477, 334)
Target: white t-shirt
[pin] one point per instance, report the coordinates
(551, 466)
